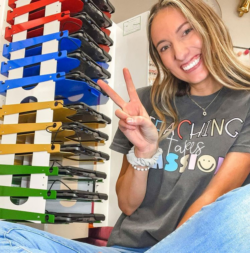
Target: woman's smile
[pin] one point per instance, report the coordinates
(179, 46)
(193, 64)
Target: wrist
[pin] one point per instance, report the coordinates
(149, 153)
(140, 167)
(149, 161)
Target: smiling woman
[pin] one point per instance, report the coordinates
(203, 37)
(199, 105)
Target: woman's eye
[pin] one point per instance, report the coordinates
(187, 31)
(164, 48)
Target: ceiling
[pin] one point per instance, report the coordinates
(125, 9)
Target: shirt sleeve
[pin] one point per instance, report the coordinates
(120, 142)
(242, 142)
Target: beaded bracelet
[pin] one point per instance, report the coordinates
(140, 169)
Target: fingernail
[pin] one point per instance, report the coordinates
(129, 120)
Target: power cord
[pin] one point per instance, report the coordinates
(57, 181)
(58, 131)
(70, 40)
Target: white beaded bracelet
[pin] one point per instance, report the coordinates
(140, 169)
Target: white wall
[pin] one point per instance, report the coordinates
(131, 52)
(238, 27)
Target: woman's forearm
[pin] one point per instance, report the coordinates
(131, 187)
(195, 207)
(131, 190)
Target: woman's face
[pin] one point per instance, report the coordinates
(179, 46)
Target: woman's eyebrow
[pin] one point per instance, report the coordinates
(161, 41)
(178, 29)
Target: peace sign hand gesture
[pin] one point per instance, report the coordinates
(134, 121)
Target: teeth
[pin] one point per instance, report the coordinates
(192, 64)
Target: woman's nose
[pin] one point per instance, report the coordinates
(180, 51)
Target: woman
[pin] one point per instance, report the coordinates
(188, 146)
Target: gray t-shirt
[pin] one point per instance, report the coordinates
(192, 155)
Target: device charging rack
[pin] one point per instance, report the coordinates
(47, 27)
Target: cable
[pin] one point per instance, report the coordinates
(58, 181)
(78, 135)
(69, 37)
(70, 40)
(51, 168)
(58, 131)
(58, 102)
(54, 125)
(58, 163)
(55, 161)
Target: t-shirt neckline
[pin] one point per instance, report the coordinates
(205, 99)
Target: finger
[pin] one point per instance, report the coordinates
(130, 85)
(121, 114)
(113, 95)
(139, 121)
(124, 126)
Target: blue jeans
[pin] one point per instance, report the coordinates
(221, 227)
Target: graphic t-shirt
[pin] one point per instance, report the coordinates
(192, 155)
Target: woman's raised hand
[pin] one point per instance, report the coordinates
(134, 122)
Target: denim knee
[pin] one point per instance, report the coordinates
(242, 192)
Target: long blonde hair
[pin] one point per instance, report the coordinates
(217, 51)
